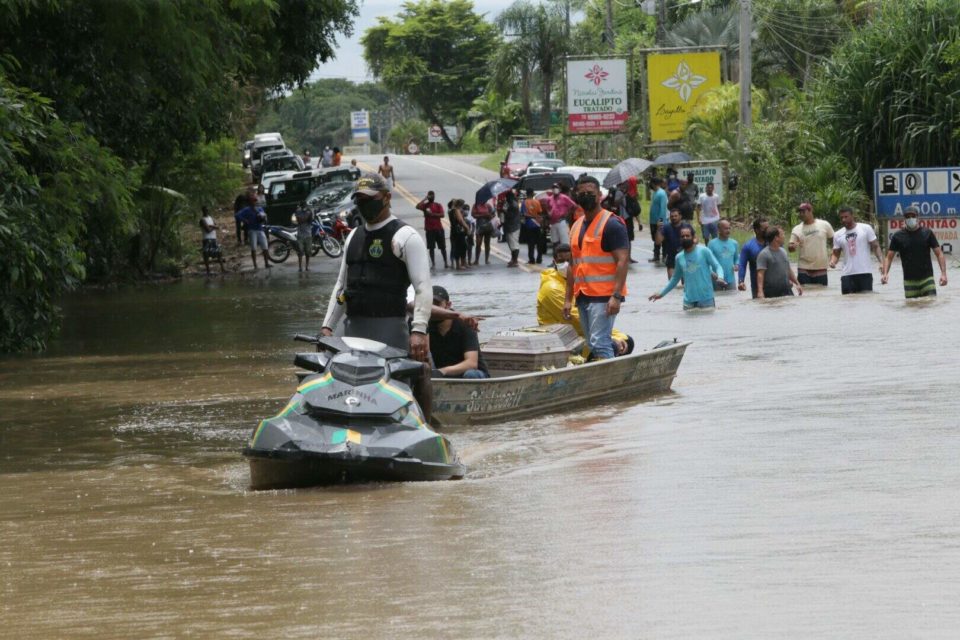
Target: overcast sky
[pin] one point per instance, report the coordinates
(349, 63)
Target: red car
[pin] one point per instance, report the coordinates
(517, 160)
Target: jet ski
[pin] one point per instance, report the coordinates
(353, 418)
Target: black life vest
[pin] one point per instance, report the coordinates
(377, 280)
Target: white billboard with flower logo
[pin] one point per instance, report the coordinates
(597, 95)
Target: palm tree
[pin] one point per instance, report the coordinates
(540, 46)
(512, 75)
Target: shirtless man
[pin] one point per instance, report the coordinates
(386, 170)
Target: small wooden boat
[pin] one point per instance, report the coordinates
(459, 401)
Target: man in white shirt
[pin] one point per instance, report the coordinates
(381, 258)
(709, 209)
(855, 241)
(211, 248)
(811, 240)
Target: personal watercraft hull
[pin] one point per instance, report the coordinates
(287, 470)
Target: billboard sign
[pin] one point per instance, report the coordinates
(435, 134)
(360, 126)
(675, 81)
(597, 95)
(935, 191)
(703, 174)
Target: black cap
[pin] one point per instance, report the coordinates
(439, 293)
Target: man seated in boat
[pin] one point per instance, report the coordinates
(453, 344)
(550, 298)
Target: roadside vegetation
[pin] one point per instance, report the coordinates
(118, 121)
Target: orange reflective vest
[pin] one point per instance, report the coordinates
(594, 270)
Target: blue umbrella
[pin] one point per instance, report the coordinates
(494, 188)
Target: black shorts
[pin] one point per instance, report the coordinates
(211, 248)
(436, 239)
(857, 283)
(806, 278)
(671, 259)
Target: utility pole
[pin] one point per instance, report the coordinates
(608, 32)
(661, 22)
(746, 27)
(566, 28)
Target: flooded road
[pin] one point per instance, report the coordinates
(800, 481)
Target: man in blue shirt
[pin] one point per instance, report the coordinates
(727, 252)
(658, 215)
(749, 253)
(699, 269)
(253, 219)
(671, 239)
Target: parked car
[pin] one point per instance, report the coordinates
(597, 172)
(261, 147)
(544, 165)
(517, 161)
(284, 195)
(278, 164)
(543, 182)
(334, 200)
(247, 151)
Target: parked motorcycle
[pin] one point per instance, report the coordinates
(283, 241)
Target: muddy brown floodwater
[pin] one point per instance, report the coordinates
(801, 480)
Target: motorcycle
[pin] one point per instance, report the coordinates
(283, 241)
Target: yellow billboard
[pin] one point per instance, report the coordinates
(675, 81)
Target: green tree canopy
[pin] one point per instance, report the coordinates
(890, 94)
(436, 53)
(318, 114)
(149, 79)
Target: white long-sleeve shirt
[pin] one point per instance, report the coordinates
(408, 246)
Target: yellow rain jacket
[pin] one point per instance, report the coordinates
(550, 298)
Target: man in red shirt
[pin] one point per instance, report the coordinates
(433, 225)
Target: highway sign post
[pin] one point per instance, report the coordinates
(934, 191)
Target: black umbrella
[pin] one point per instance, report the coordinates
(672, 158)
(494, 188)
(626, 169)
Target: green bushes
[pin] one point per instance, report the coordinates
(66, 210)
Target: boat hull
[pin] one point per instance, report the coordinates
(458, 401)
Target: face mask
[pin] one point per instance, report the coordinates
(912, 223)
(561, 268)
(686, 243)
(370, 208)
(556, 192)
(587, 200)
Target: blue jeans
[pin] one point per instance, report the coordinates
(597, 326)
(474, 374)
(700, 304)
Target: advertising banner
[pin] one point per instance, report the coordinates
(946, 230)
(360, 126)
(703, 174)
(597, 96)
(675, 81)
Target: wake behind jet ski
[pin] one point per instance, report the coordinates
(353, 419)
